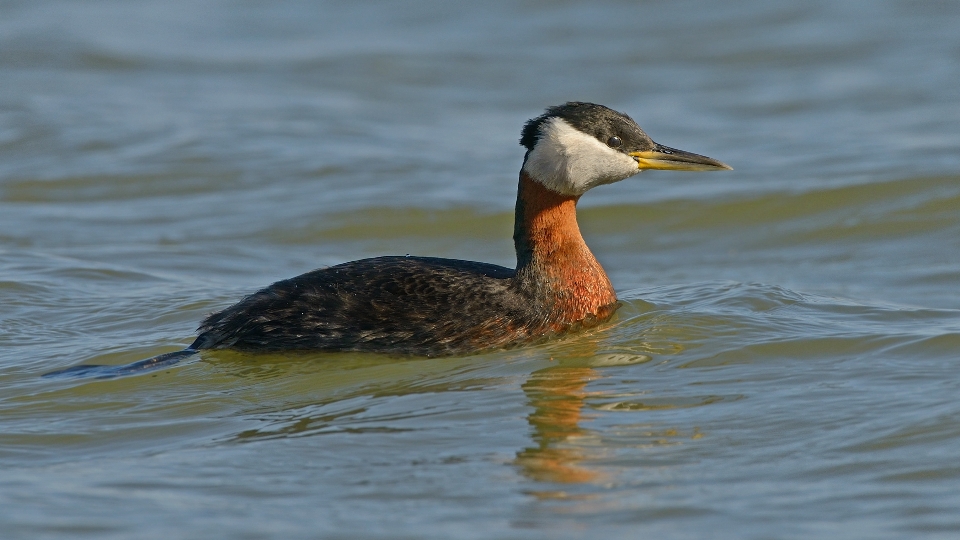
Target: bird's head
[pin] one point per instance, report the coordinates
(576, 146)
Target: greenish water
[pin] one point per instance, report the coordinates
(785, 364)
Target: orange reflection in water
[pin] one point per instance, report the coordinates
(557, 396)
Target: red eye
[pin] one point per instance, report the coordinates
(614, 142)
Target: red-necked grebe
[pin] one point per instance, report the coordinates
(432, 307)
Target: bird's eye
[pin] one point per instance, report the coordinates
(614, 142)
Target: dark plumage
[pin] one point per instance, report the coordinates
(403, 305)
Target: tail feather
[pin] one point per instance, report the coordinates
(109, 372)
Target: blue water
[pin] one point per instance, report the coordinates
(784, 366)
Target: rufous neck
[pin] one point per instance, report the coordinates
(552, 257)
(545, 224)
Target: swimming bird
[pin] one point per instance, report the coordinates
(426, 306)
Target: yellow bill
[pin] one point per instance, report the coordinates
(671, 159)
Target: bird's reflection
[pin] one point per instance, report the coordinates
(557, 396)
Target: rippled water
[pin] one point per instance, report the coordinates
(785, 364)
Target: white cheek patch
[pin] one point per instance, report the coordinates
(571, 162)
